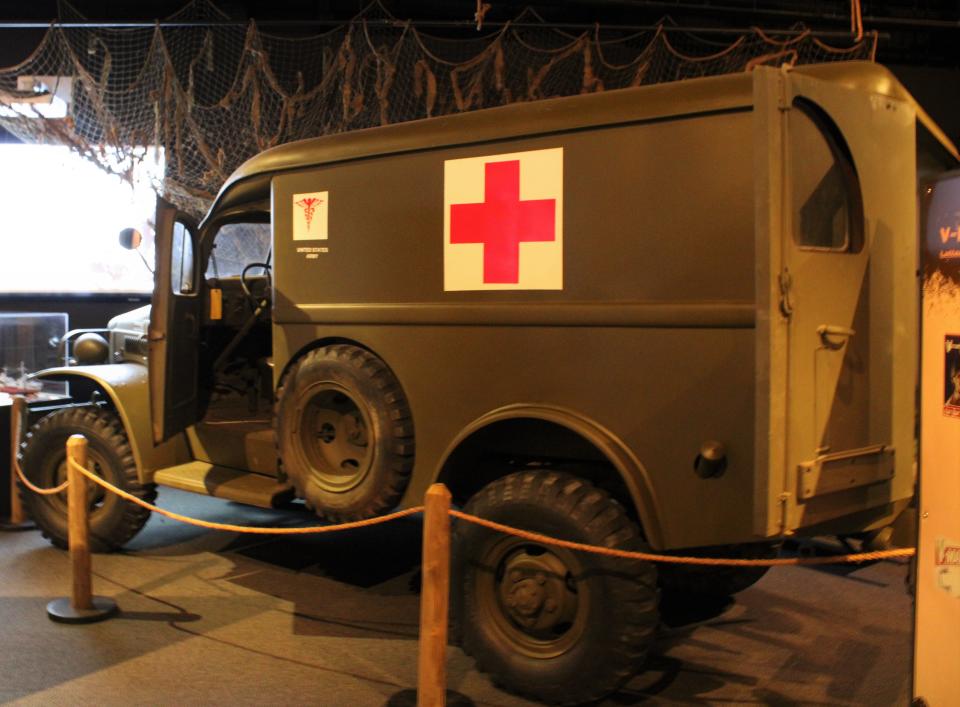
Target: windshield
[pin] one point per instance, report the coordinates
(235, 246)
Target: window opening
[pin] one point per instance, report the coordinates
(825, 190)
(181, 272)
(236, 246)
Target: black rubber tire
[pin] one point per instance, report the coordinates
(42, 455)
(601, 642)
(715, 582)
(351, 377)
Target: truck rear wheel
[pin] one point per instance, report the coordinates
(345, 433)
(43, 457)
(553, 624)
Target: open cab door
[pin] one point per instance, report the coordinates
(837, 340)
(174, 333)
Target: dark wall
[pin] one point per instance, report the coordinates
(15, 46)
(937, 91)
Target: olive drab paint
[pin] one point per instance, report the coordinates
(620, 279)
(626, 267)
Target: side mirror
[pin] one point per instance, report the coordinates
(130, 238)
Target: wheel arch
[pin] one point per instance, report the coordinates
(312, 346)
(125, 387)
(610, 464)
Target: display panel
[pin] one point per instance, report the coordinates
(30, 342)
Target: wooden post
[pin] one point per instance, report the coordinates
(78, 523)
(82, 606)
(434, 599)
(17, 416)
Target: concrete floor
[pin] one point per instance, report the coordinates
(219, 618)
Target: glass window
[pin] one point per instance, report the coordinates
(236, 246)
(825, 190)
(181, 271)
(59, 219)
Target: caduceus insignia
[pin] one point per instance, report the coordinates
(309, 205)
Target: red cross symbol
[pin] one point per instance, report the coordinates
(502, 222)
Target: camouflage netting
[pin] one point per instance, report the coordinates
(213, 94)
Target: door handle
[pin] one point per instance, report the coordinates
(829, 333)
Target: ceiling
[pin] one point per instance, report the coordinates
(921, 33)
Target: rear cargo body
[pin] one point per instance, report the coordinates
(669, 330)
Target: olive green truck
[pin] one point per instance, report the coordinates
(680, 317)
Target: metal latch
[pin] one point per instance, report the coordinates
(829, 334)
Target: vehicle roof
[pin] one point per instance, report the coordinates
(701, 95)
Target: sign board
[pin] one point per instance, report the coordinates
(937, 636)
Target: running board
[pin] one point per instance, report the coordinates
(222, 482)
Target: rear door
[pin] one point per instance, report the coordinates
(174, 324)
(840, 346)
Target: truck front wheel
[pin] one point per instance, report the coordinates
(345, 432)
(557, 625)
(43, 458)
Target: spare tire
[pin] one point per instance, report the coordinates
(345, 432)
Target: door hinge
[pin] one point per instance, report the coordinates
(783, 99)
(784, 499)
(785, 281)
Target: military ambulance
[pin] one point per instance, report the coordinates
(680, 317)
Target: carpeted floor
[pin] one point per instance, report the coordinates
(217, 618)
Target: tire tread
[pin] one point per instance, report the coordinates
(398, 413)
(603, 521)
(108, 427)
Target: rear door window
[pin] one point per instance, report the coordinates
(825, 190)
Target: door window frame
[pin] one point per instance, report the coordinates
(178, 259)
(843, 159)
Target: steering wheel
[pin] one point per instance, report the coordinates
(246, 287)
(258, 307)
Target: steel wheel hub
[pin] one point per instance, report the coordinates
(535, 591)
(95, 492)
(335, 439)
(532, 596)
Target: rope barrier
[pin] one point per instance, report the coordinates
(525, 534)
(15, 433)
(256, 530)
(36, 489)
(678, 560)
(499, 527)
(83, 607)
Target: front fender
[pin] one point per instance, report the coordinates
(125, 384)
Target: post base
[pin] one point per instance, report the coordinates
(62, 611)
(11, 526)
